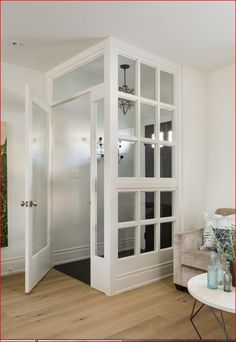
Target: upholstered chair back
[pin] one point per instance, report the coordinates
(225, 211)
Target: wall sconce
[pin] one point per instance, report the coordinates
(100, 151)
(120, 156)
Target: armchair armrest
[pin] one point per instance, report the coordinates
(189, 240)
(182, 242)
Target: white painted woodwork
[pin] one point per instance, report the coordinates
(106, 272)
(39, 262)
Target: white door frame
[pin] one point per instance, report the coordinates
(98, 264)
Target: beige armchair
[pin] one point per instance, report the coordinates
(189, 260)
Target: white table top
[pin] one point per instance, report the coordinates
(197, 287)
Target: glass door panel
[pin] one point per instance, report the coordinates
(126, 242)
(126, 75)
(81, 78)
(40, 165)
(147, 121)
(166, 125)
(147, 160)
(166, 87)
(166, 235)
(126, 206)
(148, 82)
(166, 161)
(126, 158)
(147, 238)
(127, 121)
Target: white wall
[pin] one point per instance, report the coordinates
(194, 134)
(14, 79)
(220, 139)
(208, 143)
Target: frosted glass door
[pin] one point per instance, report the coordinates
(38, 249)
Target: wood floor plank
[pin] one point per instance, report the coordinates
(61, 307)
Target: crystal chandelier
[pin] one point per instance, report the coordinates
(124, 104)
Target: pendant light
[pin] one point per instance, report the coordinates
(124, 104)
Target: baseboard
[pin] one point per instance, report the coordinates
(142, 277)
(17, 265)
(63, 256)
(13, 265)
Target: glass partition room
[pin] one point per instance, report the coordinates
(114, 186)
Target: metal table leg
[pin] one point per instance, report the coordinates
(193, 314)
(219, 320)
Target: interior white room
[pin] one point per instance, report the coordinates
(198, 152)
(120, 135)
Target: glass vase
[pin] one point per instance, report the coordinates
(232, 271)
(220, 272)
(212, 272)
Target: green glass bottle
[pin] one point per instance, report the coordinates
(227, 278)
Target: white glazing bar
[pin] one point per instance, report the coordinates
(167, 219)
(123, 225)
(126, 96)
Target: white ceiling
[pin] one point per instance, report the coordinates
(199, 34)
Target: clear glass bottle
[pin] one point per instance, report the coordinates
(220, 273)
(212, 272)
(227, 278)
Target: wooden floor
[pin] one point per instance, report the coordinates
(63, 307)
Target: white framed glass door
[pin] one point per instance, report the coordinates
(38, 246)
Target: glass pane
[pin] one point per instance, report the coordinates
(166, 203)
(147, 205)
(126, 206)
(147, 160)
(166, 162)
(148, 82)
(40, 158)
(166, 118)
(71, 173)
(126, 242)
(147, 238)
(166, 235)
(99, 234)
(126, 120)
(126, 75)
(83, 77)
(166, 87)
(147, 120)
(126, 158)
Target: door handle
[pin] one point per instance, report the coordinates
(33, 204)
(24, 203)
(28, 204)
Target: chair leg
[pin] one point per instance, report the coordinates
(180, 287)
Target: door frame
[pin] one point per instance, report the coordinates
(97, 264)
